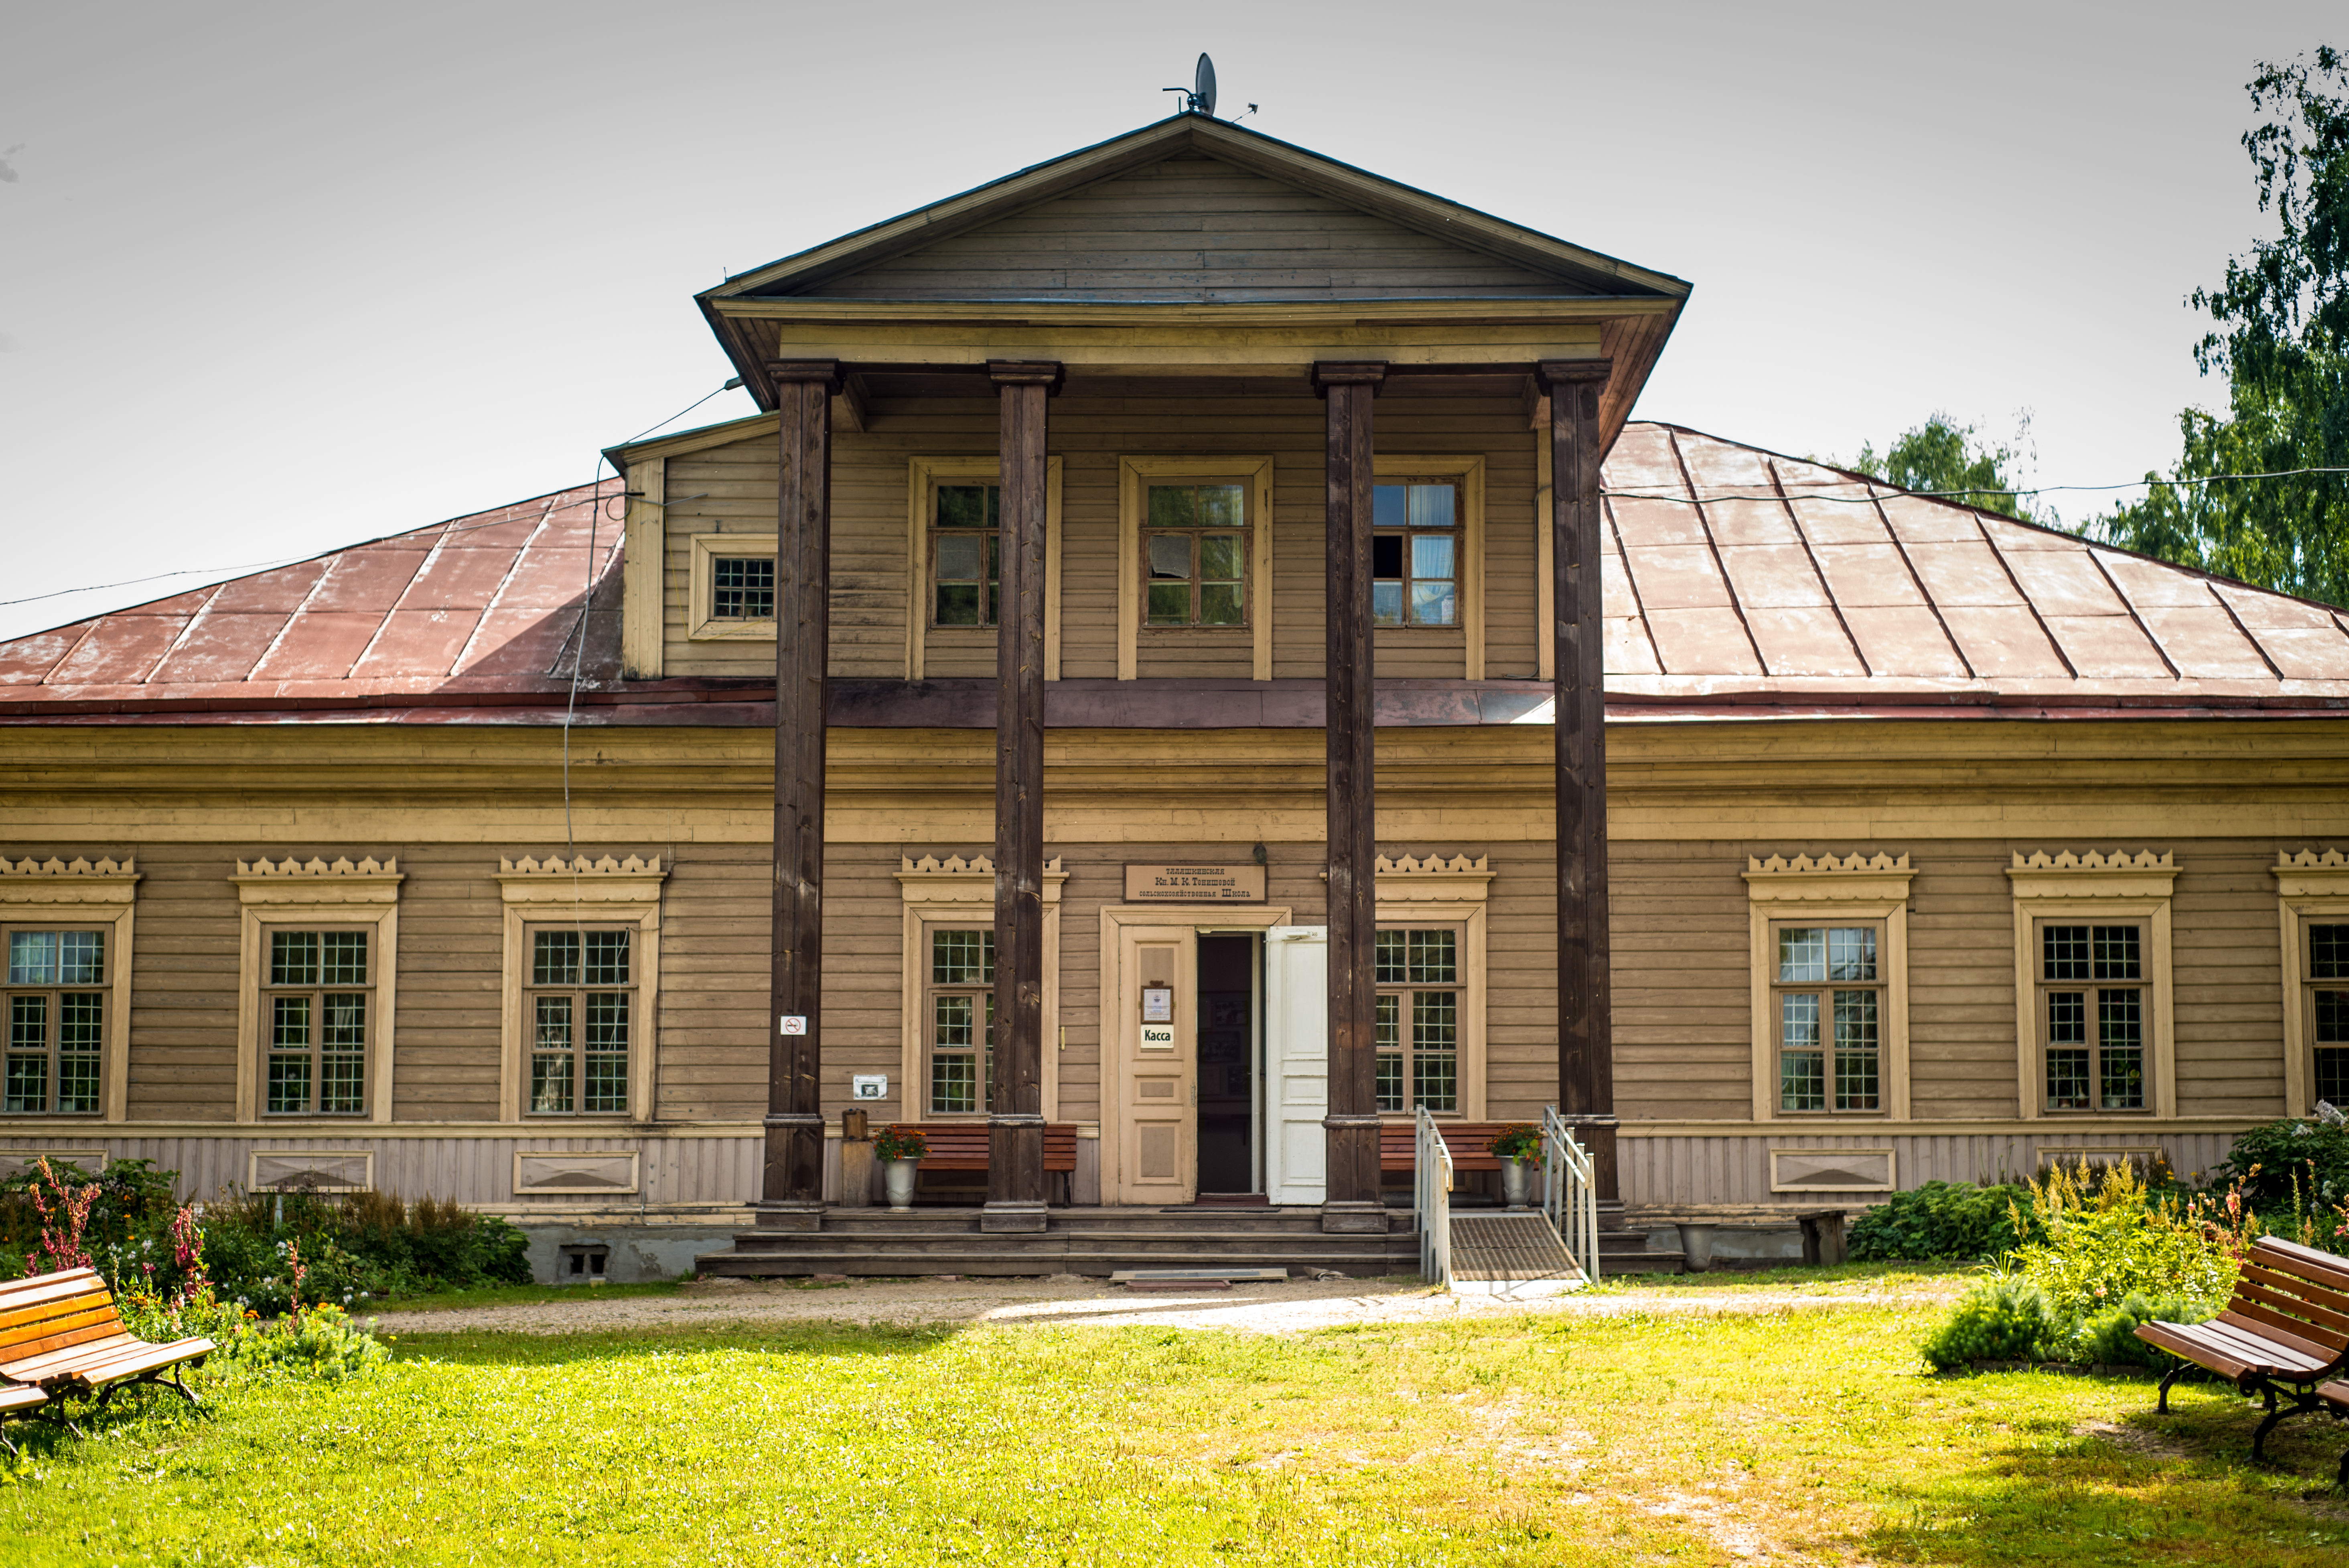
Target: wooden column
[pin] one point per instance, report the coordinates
(791, 1191)
(1586, 1056)
(1015, 1126)
(1350, 1201)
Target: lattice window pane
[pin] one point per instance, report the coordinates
(2120, 1026)
(27, 1088)
(1434, 957)
(289, 1022)
(28, 1024)
(2333, 1075)
(293, 958)
(607, 958)
(1390, 1098)
(2067, 1079)
(1855, 1050)
(342, 958)
(954, 1084)
(1390, 949)
(32, 958)
(1435, 1080)
(2063, 953)
(741, 588)
(1802, 1065)
(1434, 1020)
(962, 957)
(608, 1053)
(289, 1084)
(81, 1037)
(2333, 1017)
(1851, 952)
(81, 958)
(1802, 954)
(2328, 953)
(2116, 952)
(550, 1084)
(554, 958)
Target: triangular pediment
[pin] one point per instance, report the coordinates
(1198, 229)
(1190, 211)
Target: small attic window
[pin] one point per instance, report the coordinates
(741, 588)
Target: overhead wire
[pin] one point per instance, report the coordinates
(1890, 489)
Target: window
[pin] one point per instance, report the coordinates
(56, 1033)
(1418, 1006)
(581, 1007)
(317, 998)
(741, 588)
(1415, 553)
(2092, 1015)
(1828, 1002)
(2327, 960)
(961, 1018)
(965, 554)
(1195, 551)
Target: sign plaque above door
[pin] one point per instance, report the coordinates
(1191, 881)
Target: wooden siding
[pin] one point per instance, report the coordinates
(1193, 228)
(1700, 1171)
(732, 490)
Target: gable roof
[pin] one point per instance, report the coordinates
(1739, 583)
(1578, 269)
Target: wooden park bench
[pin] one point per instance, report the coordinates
(2284, 1337)
(59, 1335)
(16, 1396)
(1399, 1148)
(962, 1145)
(2336, 1399)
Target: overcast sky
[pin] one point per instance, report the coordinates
(277, 278)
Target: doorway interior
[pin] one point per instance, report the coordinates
(1229, 1019)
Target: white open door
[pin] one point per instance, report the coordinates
(1297, 1025)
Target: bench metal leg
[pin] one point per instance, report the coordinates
(2302, 1404)
(2161, 1405)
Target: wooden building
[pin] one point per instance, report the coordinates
(482, 861)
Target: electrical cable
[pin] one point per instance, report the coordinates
(1684, 498)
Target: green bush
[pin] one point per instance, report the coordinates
(1944, 1220)
(356, 1249)
(2297, 1166)
(2108, 1337)
(322, 1343)
(2003, 1320)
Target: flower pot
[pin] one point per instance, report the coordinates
(897, 1176)
(1516, 1176)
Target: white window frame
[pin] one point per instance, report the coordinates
(960, 893)
(1452, 892)
(2311, 889)
(922, 477)
(1135, 476)
(1821, 892)
(2076, 888)
(309, 896)
(601, 892)
(85, 892)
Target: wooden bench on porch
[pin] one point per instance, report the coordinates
(1399, 1144)
(2284, 1337)
(962, 1145)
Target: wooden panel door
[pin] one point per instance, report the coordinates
(1296, 1078)
(1158, 1130)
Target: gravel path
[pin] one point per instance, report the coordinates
(1065, 1299)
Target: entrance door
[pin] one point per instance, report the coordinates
(1296, 1093)
(1157, 1043)
(1226, 1063)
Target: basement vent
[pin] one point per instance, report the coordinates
(582, 1262)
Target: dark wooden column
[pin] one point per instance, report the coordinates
(791, 1192)
(1015, 1127)
(1350, 1201)
(1585, 1054)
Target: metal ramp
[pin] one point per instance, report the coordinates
(1519, 1255)
(1516, 1255)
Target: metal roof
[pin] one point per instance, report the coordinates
(1738, 583)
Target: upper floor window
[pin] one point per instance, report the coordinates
(2327, 990)
(317, 997)
(961, 1013)
(581, 1005)
(1828, 1002)
(2093, 1014)
(1415, 553)
(966, 548)
(1418, 1019)
(1195, 552)
(742, 588)
(56, 1033)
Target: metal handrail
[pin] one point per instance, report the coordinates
(1569, 1192)
(1430, 1201)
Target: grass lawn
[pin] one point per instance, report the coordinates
(1799, 1436)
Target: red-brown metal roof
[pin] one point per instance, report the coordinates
(1739, 583)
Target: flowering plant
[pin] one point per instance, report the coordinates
(1518, 1140)
(900, 1143)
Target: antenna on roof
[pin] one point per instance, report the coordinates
(1199, 97)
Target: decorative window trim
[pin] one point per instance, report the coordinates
(2119, 886)
(1134, 477)
(1782, 1180)
(365, 1158)
(1455, 892)
(605, 891)
(1850, 887)
(1469, 470)
(526, 1185)
(85, 892)
(955, 891)
(924, 475)
(706, 548)
(2309, 886)
(292, 892)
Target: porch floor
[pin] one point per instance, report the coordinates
(1099, 1241)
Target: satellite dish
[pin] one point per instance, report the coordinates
(1202, 87)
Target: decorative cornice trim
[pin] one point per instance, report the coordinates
(1437, 866)
(554, 880)
(76, 867)
(1858, 878)
(2093, 875)
(74, 882)
(2311, 875)
(1433, 880)
(964, 881)
(368, 880)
